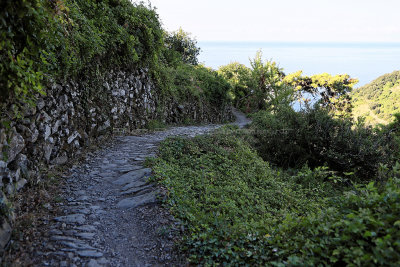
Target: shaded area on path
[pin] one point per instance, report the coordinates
(241, 119)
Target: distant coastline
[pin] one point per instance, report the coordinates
(363, 60)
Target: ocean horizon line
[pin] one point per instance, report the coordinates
(308, 43)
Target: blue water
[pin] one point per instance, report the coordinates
(364, 61)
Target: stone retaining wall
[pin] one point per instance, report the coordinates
(70, 117)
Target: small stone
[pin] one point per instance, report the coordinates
(40, 104)
(71, 219)
(5, 234)
(60, 160)
(137, 190)
(77, 245)
(80, 210)
(133, 202)
(35, 135)
(72, 137)
(63, 237)
(93, 263)
(48, 148)
(47, 132)
(88, 236)
(17, 144)
(88, 228)
(55, 232)
(135, 184)
(105, 126)
(131, 176)
(20, 184)
(56, 126)
(21, 161)
(82, 198)
(102, 261)
(90, 253)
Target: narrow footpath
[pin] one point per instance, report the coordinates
(111, 215)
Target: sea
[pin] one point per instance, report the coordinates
(364, 61)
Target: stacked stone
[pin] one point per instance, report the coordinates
(70, 116)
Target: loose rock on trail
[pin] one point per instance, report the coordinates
(111, 213)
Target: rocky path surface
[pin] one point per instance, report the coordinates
(111, 215)
(241, 119)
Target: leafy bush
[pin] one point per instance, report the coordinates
(192, 84)
(83, 39)
(239, 77)
(393, 130)
(155, 125)
(291, 139)
(361, 228)
(77, 38)
(259, 87)
(237, 210)
(226, 195)
(180, 47)
(24, 29)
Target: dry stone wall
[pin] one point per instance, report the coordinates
(71, 116)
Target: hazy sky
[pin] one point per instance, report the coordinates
(284, 20)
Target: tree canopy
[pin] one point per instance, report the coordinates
(180, 44)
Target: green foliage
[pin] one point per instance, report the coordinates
(333, 91)
(269, 92)
(24, 28)
(186, 83)
(258, 88)
(155, 125)
(181, 47)
(226, 195)
(313, 136)
(237, 210)
(72, 38)
(378, 101)
(240, 80)
(360, 228)
(266, 87)
(393, 130)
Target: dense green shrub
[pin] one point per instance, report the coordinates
(313, 136)
(265, 86)
(26, 27)
(240, 78)
(113, 33)
(361, 228)
(237, 210)
(83, 39)
(72, 38)
(186, 83)
(393, 130)
(259, 87)
(180, 47)
(226, 195)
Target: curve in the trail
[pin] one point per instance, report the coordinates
(111, 212)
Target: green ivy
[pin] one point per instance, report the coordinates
(361, 228)
(42, 40)
(227, 196)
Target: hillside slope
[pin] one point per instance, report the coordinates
(378, 100)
